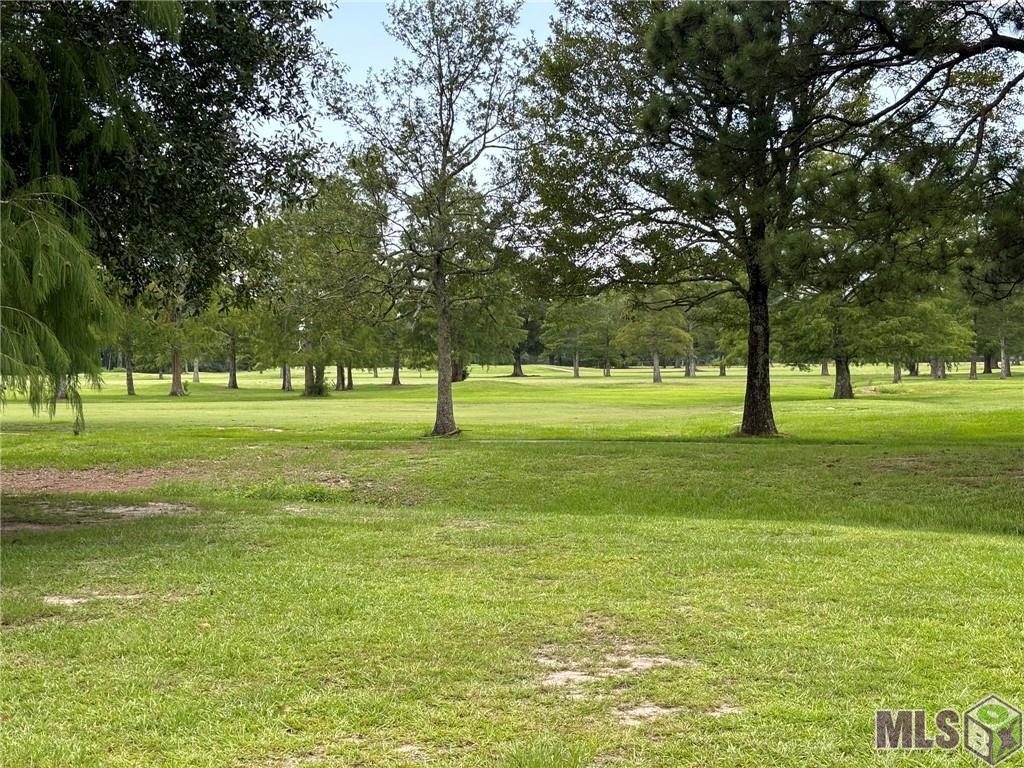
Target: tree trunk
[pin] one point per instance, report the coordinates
(844, 386)
(988, 363)
(308, 380)
(678, 363)
(758, 419)
(912, 368)
(721, 369)
(517, 364)
(824, 368)
(444, 420)
(691, 365)
(195, 370)
(396, 369)
(375, 373)
(350, 384)
(897, 373)
(177, 389)
(62, 388)
(339, 376)
(607, 368)
(232, 361)
(160, 374)
(575, 364)
(973, 376)
(656, 362)
(1004, 354)
(313, 380)
(940, 369)
(129, 373)
(286, 378)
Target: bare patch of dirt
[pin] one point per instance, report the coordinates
(570, 670)
(64, 600)
(724, 709)
(411, 751)
(300, 761)
(70, 516)
(642, 713)
(95, 480)
(69, 600)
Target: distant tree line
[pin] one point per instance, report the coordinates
(693, 185)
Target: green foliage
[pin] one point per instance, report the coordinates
(655, 332)
(52, 307)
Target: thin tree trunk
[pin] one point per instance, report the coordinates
(308, 380)
(758, 418)
(691, 365)
(897, 373)
(62, 388)
(160, 374)
(607, 367)
(396, 369)
(286, 378)
(320, 371)
(350, 384)
(824, 368)
(339, 376)
(844, 385)
(973, 376)
(1004, 354)
(517, 364)
(912, 368)
(721, 368)
(195, 370)
(232, 361)
(375, 372)
(129, 373)
(678, 363)
(988, 363)
(941, 370)
(444, 420)
(177, 388)
(575, 364)
(657, 368)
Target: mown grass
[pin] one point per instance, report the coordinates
(338, 590)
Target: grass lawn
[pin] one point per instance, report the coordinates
(595, 573)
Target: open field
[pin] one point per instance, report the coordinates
(594, 573)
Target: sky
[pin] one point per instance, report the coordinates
(355, 32)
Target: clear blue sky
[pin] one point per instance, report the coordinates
(355, 32)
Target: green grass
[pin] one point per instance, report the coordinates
(337, 590)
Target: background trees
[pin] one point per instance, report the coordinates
(847, 173)
(655, 335)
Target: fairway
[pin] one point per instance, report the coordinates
(595, 572)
